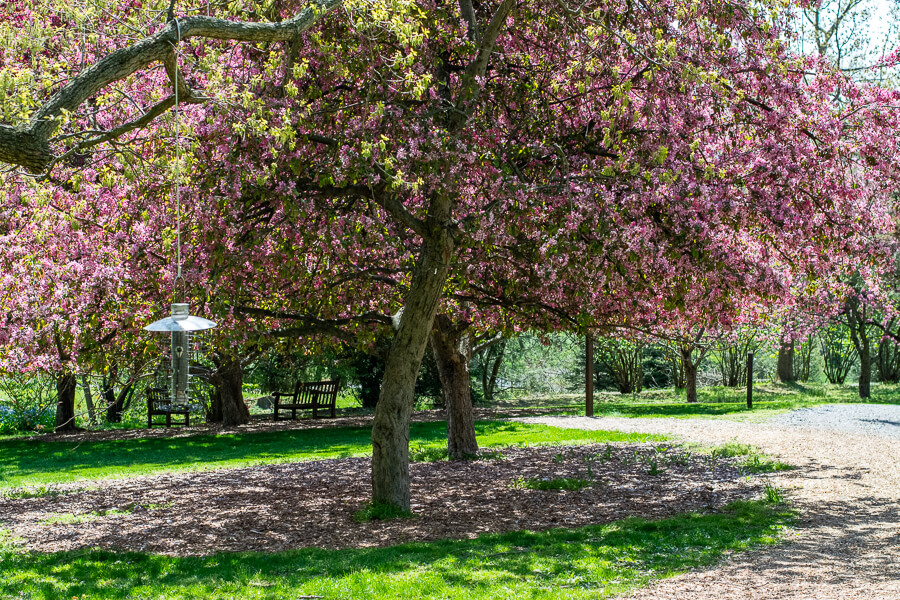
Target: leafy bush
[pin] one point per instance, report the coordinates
(27, 403)
(30, 419)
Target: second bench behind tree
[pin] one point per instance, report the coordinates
(308, 395)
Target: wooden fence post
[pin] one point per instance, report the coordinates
(749, 380)
(589, 376)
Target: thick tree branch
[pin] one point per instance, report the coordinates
(491, 341)
(471, 88)
(310, 325)
(395, 208)
(28, 146)
(468, 13)
(312, 321)
(478, 67)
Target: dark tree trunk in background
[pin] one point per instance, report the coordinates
(89, 399)
(588, 376)
(371, 373)
(228, 381)
(493, 358)
(115, 402)
(887, 360)
(65, 402)
(214, 413)
(452, 347)
(865, 372)
(856, 320)
(690, 373)
(786, 361)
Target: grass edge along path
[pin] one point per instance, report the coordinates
(29, 463)
(596, 561)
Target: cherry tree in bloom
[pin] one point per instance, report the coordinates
(502, 163)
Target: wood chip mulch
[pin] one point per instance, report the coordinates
(264, 423)
(273, 508)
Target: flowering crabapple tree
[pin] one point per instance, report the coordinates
(551, 164)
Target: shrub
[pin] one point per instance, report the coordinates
(28, 419)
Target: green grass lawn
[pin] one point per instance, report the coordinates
(30, 463)
(590, 562)
(769, 399)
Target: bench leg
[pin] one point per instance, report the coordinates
(333, 413)
(315, 412)
(168, 420)
(293, 414)
(187, 420)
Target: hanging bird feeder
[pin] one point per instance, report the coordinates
(181, 324)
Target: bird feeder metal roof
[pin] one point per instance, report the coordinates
(181, 320)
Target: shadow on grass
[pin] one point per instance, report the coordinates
(30, 462)
(593, 561)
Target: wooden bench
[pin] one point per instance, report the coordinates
(315, 395)
(159, 404)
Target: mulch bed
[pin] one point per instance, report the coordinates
(260, 423)
(312, 504)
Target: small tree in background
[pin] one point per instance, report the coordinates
(838, 352)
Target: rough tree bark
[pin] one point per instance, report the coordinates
(690, 372)
(452, 346)
(228, 392)
(65, 402)
(390, 430)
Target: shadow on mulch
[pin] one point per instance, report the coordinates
(273, 508)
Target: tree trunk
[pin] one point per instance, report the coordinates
(114, 401)
(786, 361)
(390, 430)
(690, 373)
(228, 381)
(453, 353)
(214, 413)
(856, 319)
(865, 369)
(89, 399)
(65, 402)
(495, 369)
(115, 404)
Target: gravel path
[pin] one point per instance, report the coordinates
(882, 420)
(847, 542)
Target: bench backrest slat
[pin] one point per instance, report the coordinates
(316, 391)
(158, 397)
